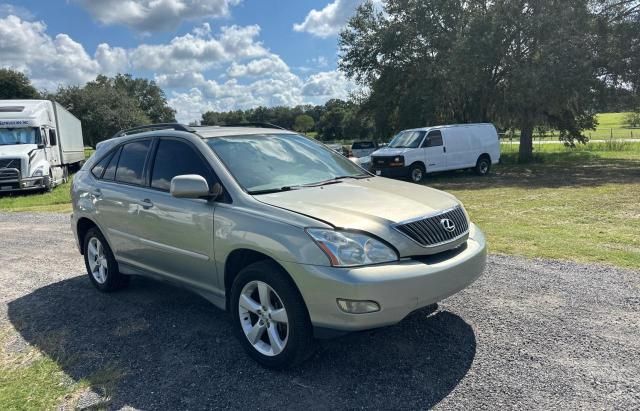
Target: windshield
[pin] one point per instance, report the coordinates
(9, 136)
(407, 139)
(275, 162)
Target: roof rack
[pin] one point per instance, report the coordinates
(150, 127)
(254, 124)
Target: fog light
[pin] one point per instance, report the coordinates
(358, 307)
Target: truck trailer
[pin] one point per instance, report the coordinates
(40, 142)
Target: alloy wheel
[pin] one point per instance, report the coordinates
(263, 318)
(97, 260)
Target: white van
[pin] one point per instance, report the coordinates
(412, 153)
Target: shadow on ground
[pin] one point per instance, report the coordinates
(153, 346)
(577, 170)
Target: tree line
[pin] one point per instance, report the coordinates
(333, 121)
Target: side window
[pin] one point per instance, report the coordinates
(53, 140)
(99, 168)
(175, 158)
(110, 171)
(131, 163)
(434, 139)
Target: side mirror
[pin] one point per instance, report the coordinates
(189, 186)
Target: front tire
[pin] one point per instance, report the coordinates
(101, 265)
(270, 317)
(416, 173)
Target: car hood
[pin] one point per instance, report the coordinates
(361, 204)
(19, 150)
(389, 152)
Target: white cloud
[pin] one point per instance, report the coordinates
(328, 84)
(271, 66)
(7, 9)
(330, 20)
(199, 50)
(25, 46)
(155, 15)
(199, 71)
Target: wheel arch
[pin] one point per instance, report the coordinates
(243, 257)
(83, 225)
(419, 163)
(487, 155)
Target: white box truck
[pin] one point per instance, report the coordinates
(413, 153)
(40, 141)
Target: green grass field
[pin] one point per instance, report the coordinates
(610, 126)
(580, 205)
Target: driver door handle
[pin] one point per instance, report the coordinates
(146, 203)
(444, 149)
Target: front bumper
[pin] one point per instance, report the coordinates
(391, 172)
(399, 288)
(15, 181)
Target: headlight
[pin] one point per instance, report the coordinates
(347, 249)
(38, 172)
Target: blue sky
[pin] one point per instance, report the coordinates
(206, 54)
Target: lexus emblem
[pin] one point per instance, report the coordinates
(448, 225)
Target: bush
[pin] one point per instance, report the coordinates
(633, 119)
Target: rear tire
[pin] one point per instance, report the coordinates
(101, 265)
(483, 165)
(271, 321)
(416, 173)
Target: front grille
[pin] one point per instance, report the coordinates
(430, 231)
(10, 163)
(384, 162)
(9, 174)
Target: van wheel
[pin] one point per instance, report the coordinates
(483, 166)
(270, 317)
(416, 173)
(102, 266)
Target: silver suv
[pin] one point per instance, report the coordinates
(293, 239)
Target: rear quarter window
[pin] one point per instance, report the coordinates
(131, 164)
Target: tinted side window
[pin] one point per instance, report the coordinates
(110, 171)
(434, 139)
(175, 158)
(131, 163)
(98, 169)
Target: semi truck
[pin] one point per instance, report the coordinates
(40, 143)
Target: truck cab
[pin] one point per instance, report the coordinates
(39, 141)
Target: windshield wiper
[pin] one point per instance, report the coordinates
(336, 180)
(274, 190)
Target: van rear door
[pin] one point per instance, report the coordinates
(434, 151)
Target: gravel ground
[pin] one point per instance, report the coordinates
(529, 334)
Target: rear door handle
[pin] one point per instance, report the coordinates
(146, 203)
(444, 149)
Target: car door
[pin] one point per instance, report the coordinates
(434, 151)
(115, 196)
(177, 233)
